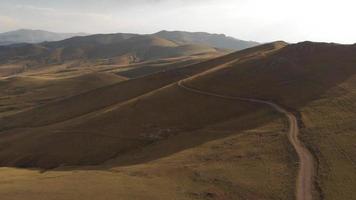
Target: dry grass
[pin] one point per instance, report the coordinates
(153, 142)
(330, 131)
(157, 141)
(114, 120)
(316, 80)
(24, 92)
(251, 164)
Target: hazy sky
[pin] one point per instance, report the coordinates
(260, 20)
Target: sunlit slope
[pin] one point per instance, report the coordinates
(25, 92)
(215, 40)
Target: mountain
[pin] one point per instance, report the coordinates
(33, 36)
(215, 40)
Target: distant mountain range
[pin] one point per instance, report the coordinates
(34, 49)
(179, 37)
(118, 48)
(33, 36)
(110, 48)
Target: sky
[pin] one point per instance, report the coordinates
(257, 20)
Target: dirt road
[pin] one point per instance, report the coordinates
(304, 182)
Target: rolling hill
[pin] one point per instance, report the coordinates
(133, 132)
(89, 117)
(149, 137)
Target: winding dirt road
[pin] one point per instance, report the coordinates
(304, 182)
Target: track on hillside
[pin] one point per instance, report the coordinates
(304, 182)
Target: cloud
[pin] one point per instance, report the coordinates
(34, 8)
(318, 20)
(52, 12)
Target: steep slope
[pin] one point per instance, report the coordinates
(215, 40)
(33, 36)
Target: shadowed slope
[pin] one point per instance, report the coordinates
(307, 69)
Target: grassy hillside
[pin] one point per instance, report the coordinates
(148, 68)
(330, 132)
(194, 134)
(225, 168)
(317, 82)
(117, 93)
(152, 134)
(21, 93)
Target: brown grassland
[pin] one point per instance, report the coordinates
(147, 138)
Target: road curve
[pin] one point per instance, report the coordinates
(304, 182)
